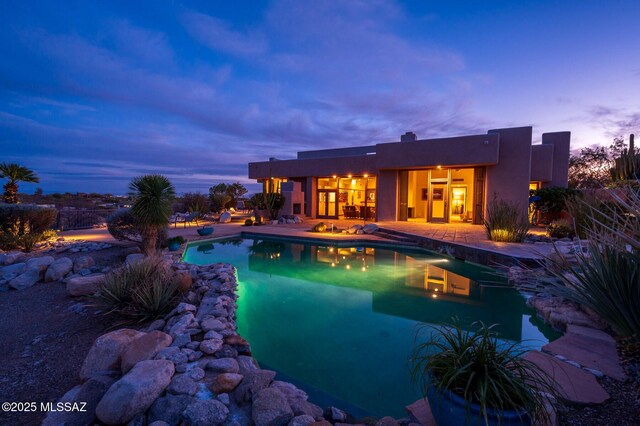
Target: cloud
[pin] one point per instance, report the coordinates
(143, 45)
(614, 121)
(305, 76)
(218, 35)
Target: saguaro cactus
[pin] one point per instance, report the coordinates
(627, 166)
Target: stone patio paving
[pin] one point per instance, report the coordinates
(462, 234)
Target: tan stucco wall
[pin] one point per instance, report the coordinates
(561, 142)
(509, 179)
(386, 197)
(458, 151)
(356, 165)
(541, 163)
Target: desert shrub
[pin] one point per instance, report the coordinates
(272, 202)
(177, 239)
(140, 291)
(606, 279)
(122, 226)
(479, 368)
(196, 203)
(49, 234)
(319, 227)
(505, 222)
(551, 202)
(22, 226)
(248, 222)
(561, 228)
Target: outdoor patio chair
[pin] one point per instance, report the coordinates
(350, 212)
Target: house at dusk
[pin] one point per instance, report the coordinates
(445, 180)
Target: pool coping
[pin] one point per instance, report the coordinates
(349, 242)
(475, 255)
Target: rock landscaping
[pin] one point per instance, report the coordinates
(191, 366)
(80, 274)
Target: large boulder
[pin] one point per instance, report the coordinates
(57, 418)
(211, 346)
(353, 229)
(143, 348)
(182, 384)
(225, 382)
(253, 382)
(12, 271)
(84, 286)
(83, 262)
(209, 412)
(169, 409)
(304, 420)
(370, 228)
(40, 264)
(134, 393)
(89, 394)
(223, 365)
(25, 280)
(225, 217)
(302, 407)
(58, 269)
(12, 257)
(106, 352)
(270, 408)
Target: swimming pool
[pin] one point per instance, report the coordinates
(340, 321)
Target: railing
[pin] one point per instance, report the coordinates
(82, 219)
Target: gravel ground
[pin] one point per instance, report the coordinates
(45, 335)
(624, 406)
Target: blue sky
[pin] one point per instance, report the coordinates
(93, 93)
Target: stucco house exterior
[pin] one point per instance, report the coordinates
(426, 180)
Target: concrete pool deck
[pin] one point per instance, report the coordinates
(464, 241)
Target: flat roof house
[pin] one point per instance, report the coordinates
(426, 180)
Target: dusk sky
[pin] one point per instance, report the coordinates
(94, 93)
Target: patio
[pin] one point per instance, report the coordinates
(461, 235)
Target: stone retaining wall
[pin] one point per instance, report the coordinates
(190, 368)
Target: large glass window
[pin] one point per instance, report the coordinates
(357, 197)
(438, 195)
(272, 185)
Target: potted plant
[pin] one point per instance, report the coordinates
(205, 230)
(472, 378)
(175, 243)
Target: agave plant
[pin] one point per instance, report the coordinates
(15, 173)
(482, 370)
(151, 208)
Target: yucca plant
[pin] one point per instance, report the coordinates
(487, 373)
(505, 222)
(152, 197)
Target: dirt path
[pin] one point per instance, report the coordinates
(44, 337)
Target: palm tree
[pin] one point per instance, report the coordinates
(15, 173)
(152, 197)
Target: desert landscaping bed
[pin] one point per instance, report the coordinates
(205, 369)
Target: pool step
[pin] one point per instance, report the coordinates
(390, 235)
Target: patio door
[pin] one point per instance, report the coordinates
(438, 202)
(327, 204)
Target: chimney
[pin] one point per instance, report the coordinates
(408, 137)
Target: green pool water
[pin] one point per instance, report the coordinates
(340, 322)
